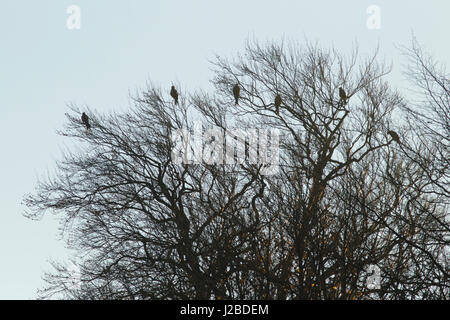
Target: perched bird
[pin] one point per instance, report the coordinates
(174, 94)
(236, 92)
(277, 103)
(394, 136)
(342, 95)
(85, 120)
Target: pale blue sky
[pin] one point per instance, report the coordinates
(121, 45)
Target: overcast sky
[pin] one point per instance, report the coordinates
(123, 44)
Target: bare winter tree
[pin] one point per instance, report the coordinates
(429, 117)
(348, 204)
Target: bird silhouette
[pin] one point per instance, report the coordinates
(277, 103)
(394, 136)
(342, 95)
(296, 97)
(236, 92)
(85, 120)
(174, 94)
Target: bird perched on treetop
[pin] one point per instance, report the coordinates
(277, 103)
(85, 120)
(174, 94)
(236, 92)
(394, 136)
(342, 95)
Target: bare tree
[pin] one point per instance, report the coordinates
(345, 197)
(428, 116)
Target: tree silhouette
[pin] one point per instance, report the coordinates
(342, 200)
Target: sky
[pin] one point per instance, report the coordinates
(123, 44)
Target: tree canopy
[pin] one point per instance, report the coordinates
(345, 200)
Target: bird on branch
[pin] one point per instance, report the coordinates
(297, 97)
(342, 95)
(85, 120)
(236, 92)
(174, 94)
(394, 136)
(277, 103)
